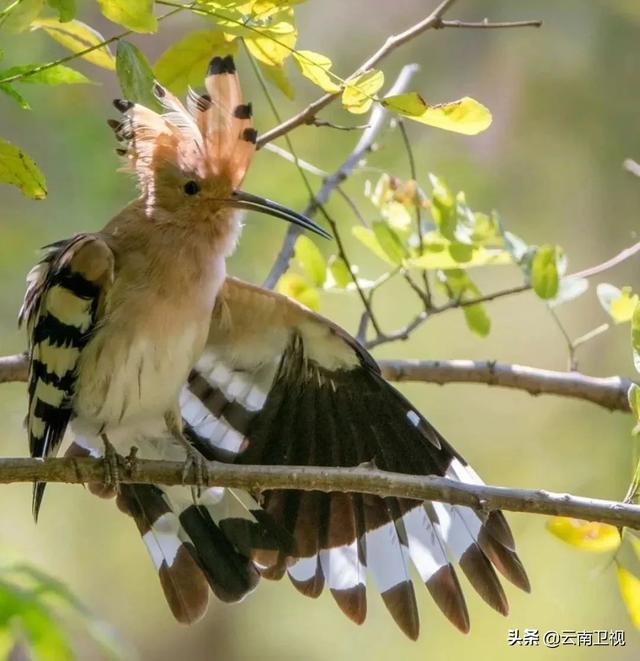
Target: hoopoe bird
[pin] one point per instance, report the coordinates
(138, 337)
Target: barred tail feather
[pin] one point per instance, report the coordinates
(174, 556)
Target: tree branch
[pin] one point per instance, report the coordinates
(608, 392)
(376, 122)
(308, 115)
(306, 478)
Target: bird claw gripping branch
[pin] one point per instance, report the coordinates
(132, 324)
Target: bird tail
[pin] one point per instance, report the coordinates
(195, 544)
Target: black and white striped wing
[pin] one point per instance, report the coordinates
(307, 394)
(62, 305)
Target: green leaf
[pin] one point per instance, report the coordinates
(635, 337)
(443, 208)
(437, 257)
(18, 169)
(135, 75)
(477, 319)
(618, 303)
(369, 240)
(339, 271)
(66, 9)
(465, 115)
(568, 290)
(77, 37)
(310, 260)
(359, 93)
(315, 66)
(297, 287)
(185, 62)
(544, 272)
(390, 242)
(584, 535)
(20, 17)
(58, 75)
(277, 75)
(25, 610)
(15, 95)
(50, 590)
(459, 287)
(136, 15)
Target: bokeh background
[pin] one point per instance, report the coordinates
(565, 100)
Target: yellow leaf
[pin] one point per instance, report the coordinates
(315, 66)
(310, 260)
(466, 115)
(630, 590)
(585, 535)
(185, 62)
(359, 93)
(296, 287)
(21, 15)
(17, 169)
(78, 36)
(272, 45)
(441, 257)
(137, 15)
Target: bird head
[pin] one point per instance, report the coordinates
(191, 159)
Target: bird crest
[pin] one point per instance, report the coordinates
(209, 137)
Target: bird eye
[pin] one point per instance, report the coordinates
(191, 188)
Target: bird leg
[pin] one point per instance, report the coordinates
(111, 465)
(194, 461)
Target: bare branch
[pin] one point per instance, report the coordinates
(306, 478)
(14, 368)
(608, 392)
(609, 264)
(488, 25)
(376, 122)
(307, 115)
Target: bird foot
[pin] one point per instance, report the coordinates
(195, 464)
(111, 466)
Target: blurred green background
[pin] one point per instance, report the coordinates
(565, 100)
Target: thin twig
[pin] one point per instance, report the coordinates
(320, 123)
(307, 115)
(405, 332)
(306, 478)
(622, 256)
(352, 205)
(82, 53)
(573, 365)
(418, 210)
(376, 122)
(488, 25)
(288, 156)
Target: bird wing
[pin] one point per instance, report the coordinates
(280, 385)
(64, 301)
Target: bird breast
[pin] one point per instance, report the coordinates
(151, 335)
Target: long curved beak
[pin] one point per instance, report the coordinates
(241, 200)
